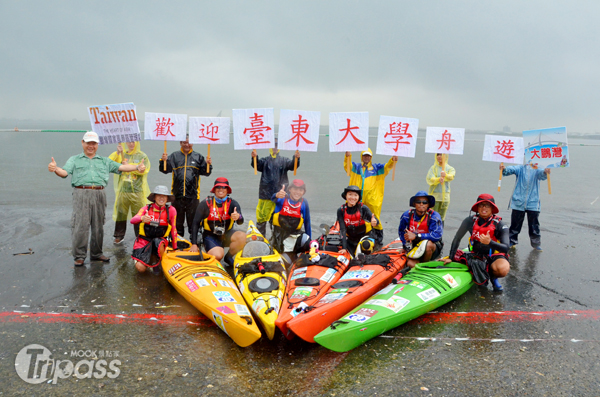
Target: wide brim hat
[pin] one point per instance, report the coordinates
(160, 189)
(354, 189)
(422, 193)
(221, 182)
(486, 198)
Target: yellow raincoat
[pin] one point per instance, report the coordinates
(440, 191)
(131, 188)
(371, 181)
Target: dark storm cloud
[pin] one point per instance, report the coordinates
(472, 64)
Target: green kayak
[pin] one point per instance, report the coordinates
(428, 286)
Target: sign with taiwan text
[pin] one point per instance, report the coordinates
(115, 123)
(209, 130)
(253, 129)
(397, 136)
(547, 147)
(444, 140)
(165, 127)
(503, 149)
(348, 132)
(298, 130)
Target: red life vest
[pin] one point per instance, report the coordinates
(356, 227)
(290, 216)
(158, 215)
(218, 216)
(423, 225)
(489, 226)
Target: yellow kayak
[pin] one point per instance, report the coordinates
(261, 277)
(203, 282)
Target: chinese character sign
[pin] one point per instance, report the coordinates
(348, 132)
(253, 129)
(115, 123)
(165, 127)
(503, 149)
(444, 140)
(547, 147)
(299, 130)
(397, 136)
(208, 130)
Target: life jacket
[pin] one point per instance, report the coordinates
(489, 226)
(356, 227)
(218, 216)
(164, 223)
(290, 216)
(421, 226)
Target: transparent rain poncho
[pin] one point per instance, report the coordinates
(441, 192)
(131, 188)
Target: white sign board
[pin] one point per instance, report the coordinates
(445, 140)
(397, 136)
(503, 149)
(115, 123)
(209, 130)
(253, 129)
(348, 132)
(165, 127)
(298, 130)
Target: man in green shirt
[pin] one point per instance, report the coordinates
(89, 176)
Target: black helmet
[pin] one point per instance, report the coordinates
(354, 189)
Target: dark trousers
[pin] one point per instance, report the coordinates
(516, 222)
(186, 210)
(121, 228)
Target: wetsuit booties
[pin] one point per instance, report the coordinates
(228, 259)
(496, 284)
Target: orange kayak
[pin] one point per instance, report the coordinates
(363, 278)
(309, 281)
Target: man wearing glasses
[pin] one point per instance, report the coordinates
(421, 230)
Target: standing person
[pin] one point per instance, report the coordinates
(291, 213)
(131, 188)
(215, 217)
(273, 169)
(89, 176)
(370, 178)
(526, 201)
(355, 219)
(488, 243)
(439, 183)
(422, 223)
(186, 166)
(156, 221)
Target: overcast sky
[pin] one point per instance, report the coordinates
(472, 64)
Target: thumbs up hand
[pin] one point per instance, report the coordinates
(52, 165)
(141, 167)
(485, 239)
(373, 221)
(235, 216)
(281, 193)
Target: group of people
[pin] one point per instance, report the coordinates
(282, 204)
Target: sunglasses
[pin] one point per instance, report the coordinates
(421, 202)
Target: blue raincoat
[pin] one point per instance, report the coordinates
(526, 196)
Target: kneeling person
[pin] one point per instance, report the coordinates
(216, 216)
(421, 224)
(489, 240)
(355, 219)
(291, 213)
(157, 222)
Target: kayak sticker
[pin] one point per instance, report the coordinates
(258, 305)
(404, 282)
(232, 284)
(213, 282)
(358, 274)
(328, 275)
(191, 285)
(386, 289)
(301, 293)
(219, 321)
(343, 260)
(224, 283)
(298, 309)
(202, 283)
(242, 310)
(199, 275)
(428, 294)
(395, 303)
(450, 280)
(223, 296)
(298, 273)
(274, 303)
(362, 315)
(332, 297)
(416, 284)
(242, 287)
(174, 269)
(225, 310)
(213, 274)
